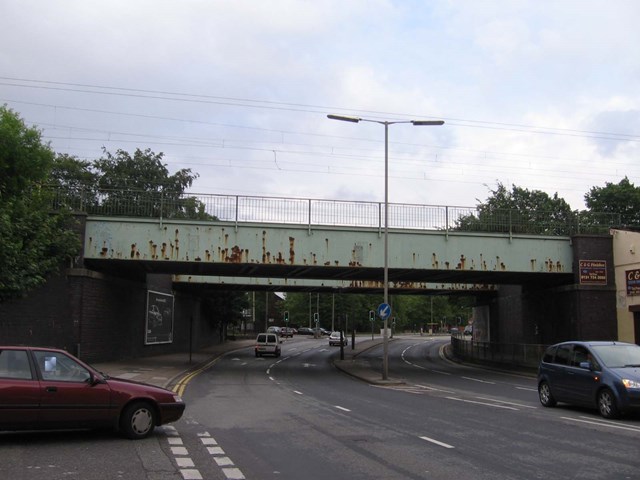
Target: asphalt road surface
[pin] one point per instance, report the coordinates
(298, 417)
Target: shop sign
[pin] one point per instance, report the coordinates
(633, 281)
(593, 272)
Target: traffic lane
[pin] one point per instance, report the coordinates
(267, 426)
(506, 438)
(523, 431)
(89, 455)
(421, 363)
(396, 432)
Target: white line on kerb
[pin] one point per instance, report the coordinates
(442, 444)
(342, 408)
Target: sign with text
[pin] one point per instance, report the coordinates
(593, 272)
(159, 318)
(633, 281)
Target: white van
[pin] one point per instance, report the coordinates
(267, 343)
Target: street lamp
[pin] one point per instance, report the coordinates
(385, 336)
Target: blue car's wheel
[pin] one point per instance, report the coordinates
(545, 396)
(607, 404)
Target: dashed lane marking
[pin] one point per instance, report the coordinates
(186, 465)
(437, 442)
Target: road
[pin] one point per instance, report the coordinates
(293, 416)
(297, 417)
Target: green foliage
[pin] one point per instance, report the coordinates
(24, 159)
(520, 211)
(423, 311)
(621, 199)
(34, 241)
(125, 184)
(411, 311)
(350, 309)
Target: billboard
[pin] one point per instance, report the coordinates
(159, 318)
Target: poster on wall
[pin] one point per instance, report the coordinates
(633, 281)
(159, 321)
(593, 272)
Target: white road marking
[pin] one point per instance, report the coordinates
(527, 389)
(297, 392)
(184, 462)
(436, 442)
(434, 389)
(507, 403)
(604, 423)
(481, 403)
(342, 408)
(233, 473)
(179, 451)
(190, 474)
(478, 380)
(223, 461)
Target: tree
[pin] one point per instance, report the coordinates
(621, 199)
(520, 211)
(140, 185)
(75, 183)
(34, 241)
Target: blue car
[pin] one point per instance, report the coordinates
(602, 375)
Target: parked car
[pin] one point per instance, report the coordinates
(286, 332)
(39, 385)
(267, 344)
(305, 331)
(602, 375)
(275, 330)
(334, 339)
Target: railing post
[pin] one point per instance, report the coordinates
(379, 219)
(446, 220)
(236, 216)
(510, 225)
(309, 217)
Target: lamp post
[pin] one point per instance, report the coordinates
(386, 123)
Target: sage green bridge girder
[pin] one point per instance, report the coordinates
(289, 256)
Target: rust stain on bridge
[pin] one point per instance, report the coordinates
(237, 255)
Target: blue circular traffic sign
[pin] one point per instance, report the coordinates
(384, 310)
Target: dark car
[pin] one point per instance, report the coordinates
(45, 388)
(305, 331)
(286, 332)
(602, 375)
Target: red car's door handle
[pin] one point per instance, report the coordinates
(52, 389)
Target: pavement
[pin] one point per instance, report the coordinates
(174, 370)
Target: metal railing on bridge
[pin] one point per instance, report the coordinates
(318, 212)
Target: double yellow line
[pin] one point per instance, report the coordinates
(181, 385)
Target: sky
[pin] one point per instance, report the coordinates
(539, 94)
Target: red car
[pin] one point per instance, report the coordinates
(49, 389)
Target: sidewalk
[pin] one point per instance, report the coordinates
(166, 370)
